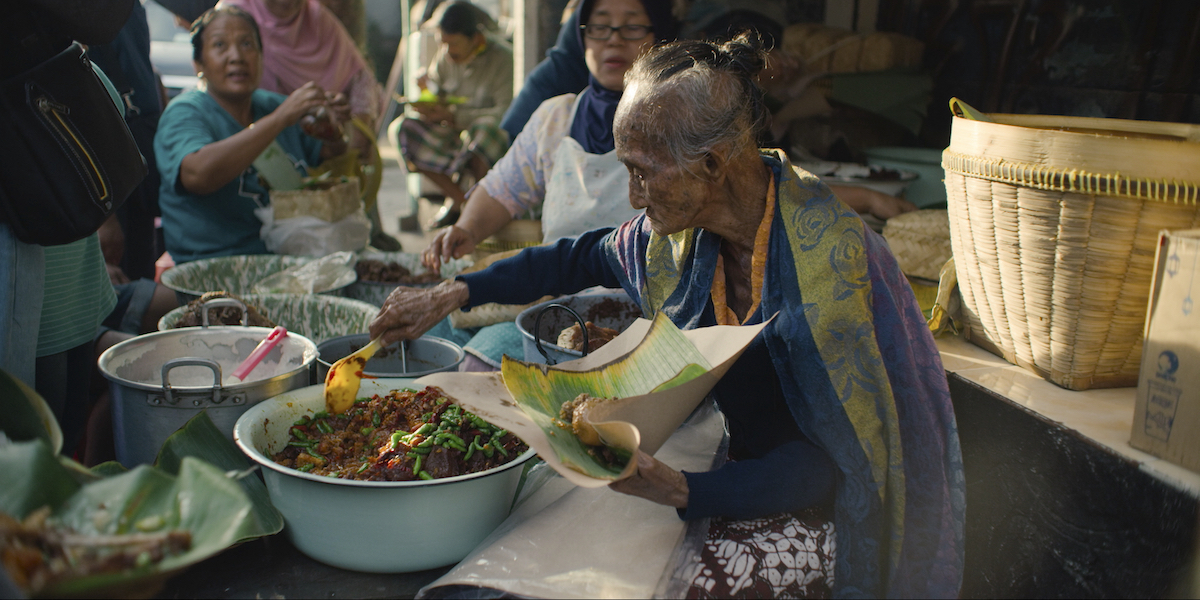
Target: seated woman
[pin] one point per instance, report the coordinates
(446, 141)
(208, 139)
(304, 42)
(839, 414)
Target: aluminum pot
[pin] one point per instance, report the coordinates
(161, 380)
(422, 356)
(374, 526)
(612, 310)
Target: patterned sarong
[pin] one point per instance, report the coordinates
(448, 150)
(787, 555)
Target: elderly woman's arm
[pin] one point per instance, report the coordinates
(567, 266)
(216, 164)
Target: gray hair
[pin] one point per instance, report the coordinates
(693, 96)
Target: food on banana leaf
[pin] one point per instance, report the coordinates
(40, 553)
(402, 436)
(573, 416)
(664, 359)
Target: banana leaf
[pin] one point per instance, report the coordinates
(197, 484)
(24, 415)
(658, 374)
(663, 360)
(200, 438)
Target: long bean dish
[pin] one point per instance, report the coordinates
(404, 435)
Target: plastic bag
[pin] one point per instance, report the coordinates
(331, 272)
(310, 236)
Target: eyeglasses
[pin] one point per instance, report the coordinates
(628, 32)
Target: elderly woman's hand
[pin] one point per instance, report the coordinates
(410, 312)
(451, 242)
(655, 481)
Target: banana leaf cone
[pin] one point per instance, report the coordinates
(657, 374)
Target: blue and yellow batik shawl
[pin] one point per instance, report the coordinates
(858, 366)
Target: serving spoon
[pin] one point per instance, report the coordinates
(344, 377)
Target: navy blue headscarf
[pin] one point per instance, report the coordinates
(593, 123)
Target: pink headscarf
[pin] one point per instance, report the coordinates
(313, 46)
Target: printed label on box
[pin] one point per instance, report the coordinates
(1166, 419)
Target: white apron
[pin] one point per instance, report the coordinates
(584, 192)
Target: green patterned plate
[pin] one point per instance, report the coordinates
(233, 274)
(318, 317)
(377, 292)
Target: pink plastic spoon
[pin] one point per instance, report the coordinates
(259, 352)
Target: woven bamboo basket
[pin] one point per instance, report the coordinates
(920, 241)
(1053, 224)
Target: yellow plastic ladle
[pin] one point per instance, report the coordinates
(344, 377)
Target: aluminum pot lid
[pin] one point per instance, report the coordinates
(139, 361)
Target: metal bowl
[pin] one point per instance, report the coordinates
(318, 317)
(374, 526)
(376, 292)
(422, 356)
(161, 380)
(612, 310)
(234, 274)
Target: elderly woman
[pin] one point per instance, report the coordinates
(839, 414)
(208, 140)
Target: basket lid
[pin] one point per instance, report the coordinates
(1110, 157)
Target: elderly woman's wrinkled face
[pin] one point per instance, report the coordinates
(230, 58)
(284, 10)
(609, 59)
(672, 197)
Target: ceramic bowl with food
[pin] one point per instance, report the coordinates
(319, 317)
(614, 311)
(381, 272)
(239, 275)
(374, 526)
(928, 190)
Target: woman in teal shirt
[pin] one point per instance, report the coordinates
(208, 139)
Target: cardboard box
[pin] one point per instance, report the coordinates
(1166, 418)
